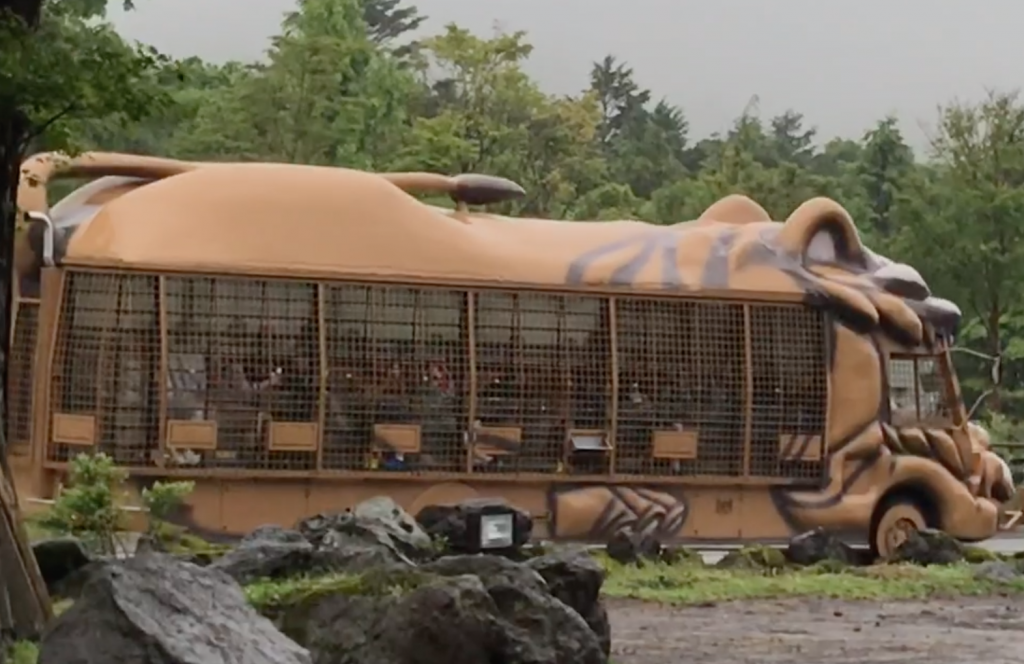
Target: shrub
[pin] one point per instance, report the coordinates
(91, 507)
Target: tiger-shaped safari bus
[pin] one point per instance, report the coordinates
(296, 339)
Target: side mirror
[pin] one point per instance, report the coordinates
(49, 231)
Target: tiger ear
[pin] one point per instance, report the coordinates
(735, 209)
(822, 230)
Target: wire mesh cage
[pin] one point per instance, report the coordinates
(285, 375)
(19, 377)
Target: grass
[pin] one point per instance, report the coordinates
(23, 652)
(691, 584)
(271, 593)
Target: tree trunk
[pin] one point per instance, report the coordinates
(995, 401)
(14, 133)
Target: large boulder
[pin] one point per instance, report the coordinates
(453, 525)
(929, 547)
(155, 609)
(818, 545)
(458, 610)
(575, 578)
(60, 560)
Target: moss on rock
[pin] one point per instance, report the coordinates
(977, 554)
(756, 556)
(828, 566)
(279, 593)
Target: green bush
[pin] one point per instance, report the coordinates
(91, 507)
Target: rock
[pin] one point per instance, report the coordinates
(378, 522)
(929, 547)
(816, 545)
(399, 525)
(681, 556)
(753, 557)
(576, 579)
(996, 571)
(154, 609)
(629, 548)
(495, 610)
(268, 552)
(454, 524)
(375, 533)
(59, 559)
(977, 554)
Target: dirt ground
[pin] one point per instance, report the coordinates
(989, 630)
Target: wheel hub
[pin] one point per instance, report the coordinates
(899, 532)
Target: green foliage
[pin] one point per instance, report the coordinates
(23, 652)
(74, 66)
(162, 499)
(688, 584)
(90, 506)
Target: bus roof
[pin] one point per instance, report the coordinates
(295, 220)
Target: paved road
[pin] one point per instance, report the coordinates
(1007, 543)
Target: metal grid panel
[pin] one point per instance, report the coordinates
(244, 353)
(932, 399)
(544, 370)
(681, 368)
(107, 363)
(917, 390)
(20, 375)
(790, 391)
(396, 357)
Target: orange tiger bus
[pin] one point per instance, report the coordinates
(296, 339)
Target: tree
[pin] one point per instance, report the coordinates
(387, 21)
(327, 95)
(963, 221)
(885, 162)
(791, 141)
(59, 62)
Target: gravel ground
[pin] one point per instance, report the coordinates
(818, 631)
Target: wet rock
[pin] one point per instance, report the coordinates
(455, 526)
(576, 579)
(269, 552)
(458, 610)
(375, 533)
(629, 548)
(816, 545)
(154, 609)
(753, 557)
(996, 571)
(929, 547)
(59, 560)
(377, 523)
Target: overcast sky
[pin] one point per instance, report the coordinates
(843, 63)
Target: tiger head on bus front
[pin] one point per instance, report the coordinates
(895, 404)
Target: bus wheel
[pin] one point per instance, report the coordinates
(892, 525)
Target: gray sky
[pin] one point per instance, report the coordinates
(843, 63)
